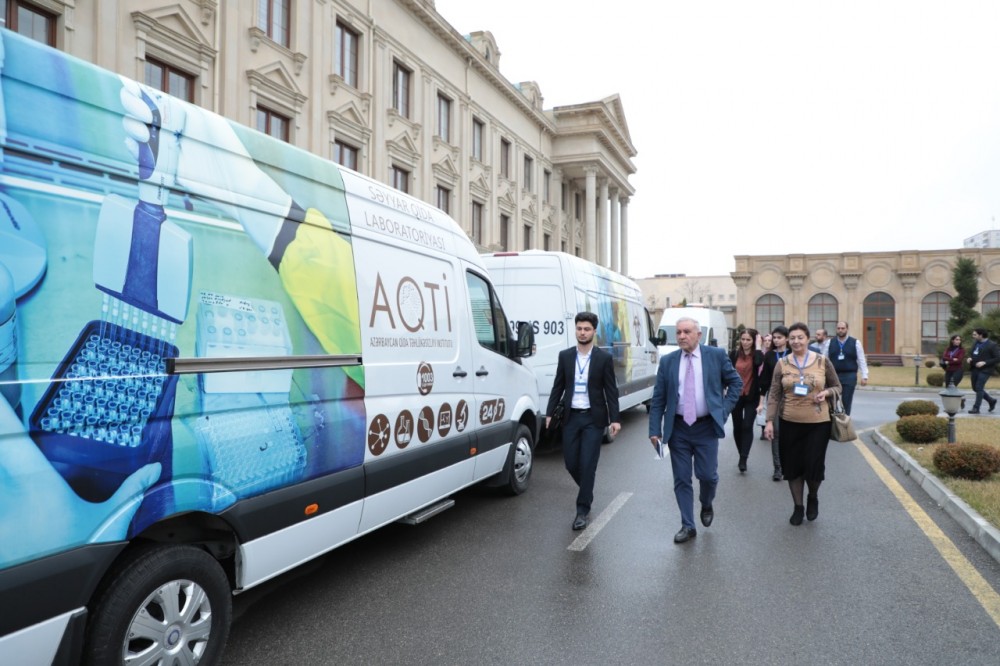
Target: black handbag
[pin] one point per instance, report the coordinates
(556, 418)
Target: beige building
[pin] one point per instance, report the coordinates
(387, 87)
(665, 291)
(895, 302)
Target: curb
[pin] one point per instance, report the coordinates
(985, 534)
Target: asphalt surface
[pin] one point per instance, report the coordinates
(504, 580)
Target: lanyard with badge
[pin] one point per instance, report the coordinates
(580, 385)
(841, 356)
(800, 388)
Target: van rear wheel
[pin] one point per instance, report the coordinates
(167, 604)
(520, 461)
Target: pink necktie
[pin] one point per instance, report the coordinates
(690, 406)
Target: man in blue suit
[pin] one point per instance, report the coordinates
(696, 390)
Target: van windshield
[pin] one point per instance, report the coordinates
(671, 332)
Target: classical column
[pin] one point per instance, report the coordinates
(557, 217)
(615, 252)
(602, 229)
(590, 222)
(623, 203)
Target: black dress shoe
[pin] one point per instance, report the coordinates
(707, 515)
(812, 507)
(743, 464)
(796, 518)
(973, 411)
(579, 522)
(686, 534)
(777, 475)
(993, 405)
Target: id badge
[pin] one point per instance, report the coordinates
(840, 358)
(801, 389)
(975, 352)
(580, 388)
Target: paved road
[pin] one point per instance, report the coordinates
(505, 580)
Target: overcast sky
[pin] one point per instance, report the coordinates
(776, 127)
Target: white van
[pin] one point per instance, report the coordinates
(548, 289)
(220, 357)
(715, 329)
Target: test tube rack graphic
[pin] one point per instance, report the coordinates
(106, 413)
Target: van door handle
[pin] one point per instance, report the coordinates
(482, 372)
(459, 372)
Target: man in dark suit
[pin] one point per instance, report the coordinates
(585, 384)
(983, 361)
(848, 357)
(696, 389)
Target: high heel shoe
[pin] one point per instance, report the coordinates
(812, 507)
(743, 464)
(796, 518)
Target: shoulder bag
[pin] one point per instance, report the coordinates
(841, 428)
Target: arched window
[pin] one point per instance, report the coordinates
(879, 313)
(991, 301)
(822, 313)
(935, 310)
(770, 313)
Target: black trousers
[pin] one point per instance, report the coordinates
(581, 450)
(743, 415)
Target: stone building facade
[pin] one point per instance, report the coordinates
(894, 302)
(387, 87)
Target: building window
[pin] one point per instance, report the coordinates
(442, 197)
(444, 118)
(273, 17)
(345, 155)
(505, 159)
(169, 79)
(527, 238)
(822, 312)
(477, 139)
(273, 123)
(399, 178)
(477, 223)
(545, 242)
(565, 198)
(529, 169)
(504, 232)
(31, 21)
(546, 186)
(770, 312)
(562, 246)
(935, 310)
(346, 56)
(577, 204)
(401, 89)
(991, 301)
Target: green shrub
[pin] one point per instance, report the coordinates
(930, 363)
(876, 364)
(913, 407)
(922, 428)
(967, 461)
(935, 379)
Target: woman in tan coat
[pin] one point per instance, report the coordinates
(802, 387)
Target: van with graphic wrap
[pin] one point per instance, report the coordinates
(547, 290)
(220, 357)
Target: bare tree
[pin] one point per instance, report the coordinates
(694, 291)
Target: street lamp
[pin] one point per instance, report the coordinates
(952, 400)
(916, 362)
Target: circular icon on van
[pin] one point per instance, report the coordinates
(425, 378)
(404, 428)
(425, 424)
(378, 434)
(461, 415)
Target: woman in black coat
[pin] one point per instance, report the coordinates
(747, 360)
(779, 348)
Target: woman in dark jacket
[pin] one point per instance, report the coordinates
(951, 361)
(779, 348)
(748, 361)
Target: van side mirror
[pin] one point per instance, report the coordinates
(713, 342)
(525, 340)
(661, 338)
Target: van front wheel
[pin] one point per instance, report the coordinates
(520, 461)
(162, 605)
